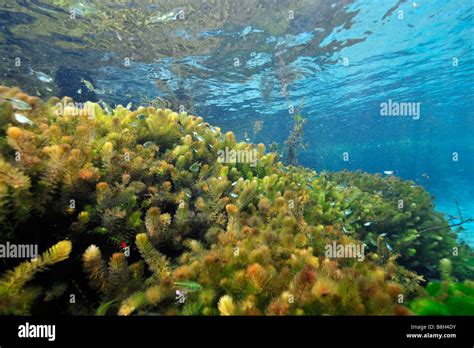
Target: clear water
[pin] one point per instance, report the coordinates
(238, 62)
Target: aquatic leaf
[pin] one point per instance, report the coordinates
(103, 308)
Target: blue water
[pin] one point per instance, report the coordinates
(335, 62)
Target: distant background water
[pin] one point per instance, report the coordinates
(238, 62)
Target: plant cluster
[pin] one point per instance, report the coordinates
(158, 225)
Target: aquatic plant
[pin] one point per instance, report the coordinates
(446, 297)
(395, 216)
(295, 139)
(17, 299)
(162, 226)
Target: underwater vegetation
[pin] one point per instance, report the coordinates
(396, 216)
(446, 297)
(295, 139)
(144, 219)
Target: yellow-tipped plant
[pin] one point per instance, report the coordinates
(15, 298)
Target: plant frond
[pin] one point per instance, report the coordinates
(155, 260)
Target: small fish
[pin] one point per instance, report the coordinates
(45, 9)
(246, 137)
(171, 16)
(188, 285)
(389, 172)
(17, 103)
(195, 167)
(118, 36)
(181, 127)
(382, 235)
(246, 31)
(41, 76)
(210, 147)
(141, 117)
(389, 247)
(88, 84)
(347, 212)
(426, 176)
(23, 119)
(49, 89)
(234, 183)
(106, 107)
(367, 224)
(332, 204)
(345, 230)
(79, 91)
(129, 105)
(148, 144)
(257, 126)
(234, 195)
(198, 137)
